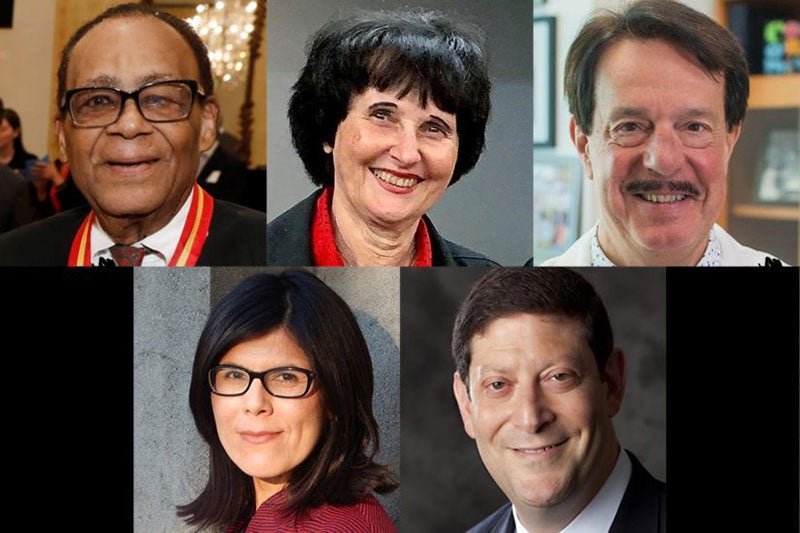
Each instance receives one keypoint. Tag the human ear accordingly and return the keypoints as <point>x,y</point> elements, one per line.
<point>581,142</point>
<point>464,407</point>
<point>208,123</point>
<point>62,141</point>
<point>614,378</point>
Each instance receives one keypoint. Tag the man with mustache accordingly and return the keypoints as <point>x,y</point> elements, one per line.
<point>658,94</point>
<point>538,381</point>
<point>136,109</point>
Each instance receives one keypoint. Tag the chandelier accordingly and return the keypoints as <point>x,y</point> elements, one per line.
<point>225,27</point>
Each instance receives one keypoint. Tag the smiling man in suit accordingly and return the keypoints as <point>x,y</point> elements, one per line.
<point>135,110</point>
<point>538,382</point>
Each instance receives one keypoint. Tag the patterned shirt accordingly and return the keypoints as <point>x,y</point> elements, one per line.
<point>712,257</point>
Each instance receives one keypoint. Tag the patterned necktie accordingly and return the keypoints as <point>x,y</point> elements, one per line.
<point>128,255</point>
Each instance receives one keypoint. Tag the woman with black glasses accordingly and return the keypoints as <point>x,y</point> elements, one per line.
<point>282,393</point>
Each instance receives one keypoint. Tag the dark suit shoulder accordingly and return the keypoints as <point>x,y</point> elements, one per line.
<point>500,521</point>
<point>43,243</point>
<point>643,507</point>
<point>289,234</point>
<point>463,256</point>
<point>236,237</point>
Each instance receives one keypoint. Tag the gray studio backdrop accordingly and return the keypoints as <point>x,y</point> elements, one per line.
<point>491,208</point>
<point>170,460</point>
<point>445,485</point>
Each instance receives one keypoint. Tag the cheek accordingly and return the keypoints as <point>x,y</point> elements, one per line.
<point>487,420</point>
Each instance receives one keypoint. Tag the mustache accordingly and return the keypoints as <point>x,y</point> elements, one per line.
<point>645,186</point>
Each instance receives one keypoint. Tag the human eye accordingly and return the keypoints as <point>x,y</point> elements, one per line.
<point>381,114</point>
<point>562,379</point>
<point>629,133</point>
<point>697,134</point>
<point>93,100</point>
<point>286,376</point>
<point>232,374</point>
<point>496,387</point>
<point>435,129</point>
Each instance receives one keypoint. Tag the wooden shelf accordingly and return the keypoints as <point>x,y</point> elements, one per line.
<point>767,212</point>
<point>772,92</point>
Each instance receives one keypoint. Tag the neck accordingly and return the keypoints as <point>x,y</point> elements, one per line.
<point>129,229</point>
<point>554,518</point>
<point>622,252</point>
<point>365,243</point>
<point>264,489</point>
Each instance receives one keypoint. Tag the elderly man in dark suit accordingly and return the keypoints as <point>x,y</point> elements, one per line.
<point>538,381</point>
<point>132,123</point>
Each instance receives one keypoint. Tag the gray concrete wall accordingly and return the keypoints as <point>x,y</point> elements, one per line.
<point>445,485</point>
<point>491,208</point>
<point>170,310</point>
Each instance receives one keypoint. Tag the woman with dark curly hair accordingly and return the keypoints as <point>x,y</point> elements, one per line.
<point>389,110</point>
<point>281,391</point>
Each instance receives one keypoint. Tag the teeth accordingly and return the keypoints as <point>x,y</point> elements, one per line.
<point>394,180</point>
<point>663,198</point>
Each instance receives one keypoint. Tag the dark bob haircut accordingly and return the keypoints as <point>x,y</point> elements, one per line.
<point>405,50</point>
<point>142,10</point>
<point>502,292</point>
<point>340,470</point>
<point>14,121</point>
<point>713,46</point>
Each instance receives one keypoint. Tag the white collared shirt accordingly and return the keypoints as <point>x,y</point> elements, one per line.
<point>712,257</point>
<point>163,243</point>
<point>599,514</point>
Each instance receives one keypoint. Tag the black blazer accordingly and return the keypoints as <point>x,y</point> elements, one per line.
<point>229,179</point>
<point>643,508</point>
<point>289,240</point>
<point>16,208</point>
<point>236,237</point>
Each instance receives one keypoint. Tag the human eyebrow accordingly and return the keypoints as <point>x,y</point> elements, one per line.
<point>101,81</point>
<point>382,105</point>
<point>627,112</point>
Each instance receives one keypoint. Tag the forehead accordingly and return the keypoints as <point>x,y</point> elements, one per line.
<point>276,348</point>
<point>409,102</point>
<point>128,49</point>
<point>654,72</point>
<point>531,340</point>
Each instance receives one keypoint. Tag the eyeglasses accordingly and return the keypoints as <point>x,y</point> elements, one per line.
<point>159,101</point>
<point>281,382</point>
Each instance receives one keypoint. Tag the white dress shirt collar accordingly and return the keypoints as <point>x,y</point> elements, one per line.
<point>164,242</point>
<point>600,513</point>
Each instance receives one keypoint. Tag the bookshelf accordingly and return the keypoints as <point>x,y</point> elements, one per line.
<point>774,105</point>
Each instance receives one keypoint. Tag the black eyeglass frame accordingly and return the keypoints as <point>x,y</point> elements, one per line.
<point>194,87</point>
<point>260,376</point>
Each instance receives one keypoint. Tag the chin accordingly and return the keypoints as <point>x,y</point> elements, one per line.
<point>541,493</point>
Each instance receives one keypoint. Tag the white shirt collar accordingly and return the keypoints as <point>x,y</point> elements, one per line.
<point>164,242</point>
<point>711,257</point>
<point>600,513</point>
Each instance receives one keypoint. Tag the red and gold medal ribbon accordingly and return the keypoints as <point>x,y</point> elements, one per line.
<point>195,230</point>
<point>193,236</point>
<point>81,252</point>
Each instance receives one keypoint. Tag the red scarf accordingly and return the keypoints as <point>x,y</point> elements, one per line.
<point>323,240</point>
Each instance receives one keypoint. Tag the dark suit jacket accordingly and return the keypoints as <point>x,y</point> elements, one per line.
<point>16,207</point>
<point>228,176</point>
<point>289,240</point>
<point>236,237</point>
<point>643,508</point>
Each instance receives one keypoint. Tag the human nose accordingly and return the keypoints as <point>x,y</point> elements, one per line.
<point>531,410</point>
<point>257,399</point>
<point>663,152</point>
<point>130,121</point>
<point>405,146</point>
